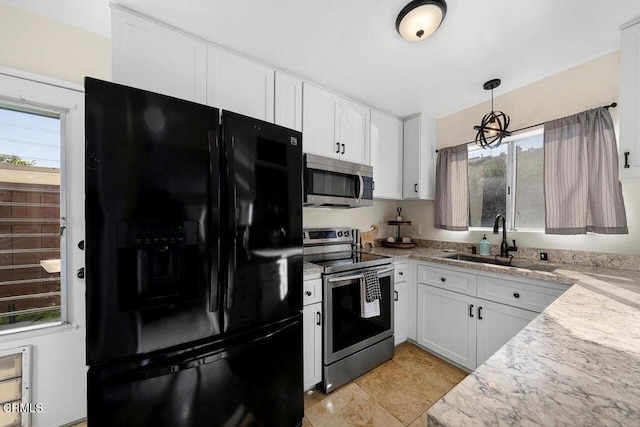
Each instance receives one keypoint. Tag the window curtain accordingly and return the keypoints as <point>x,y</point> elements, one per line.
<point>452,194</point>
<point>582,190</point>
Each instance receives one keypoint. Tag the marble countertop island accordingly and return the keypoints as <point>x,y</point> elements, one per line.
<point>577,363</point>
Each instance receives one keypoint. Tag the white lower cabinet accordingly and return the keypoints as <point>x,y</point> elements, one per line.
<point>312,332</point>
<point>496,324</point>
<point>312,344</point>
<point>445,324</point>
<point>455,323</point>
<point>401,313</point>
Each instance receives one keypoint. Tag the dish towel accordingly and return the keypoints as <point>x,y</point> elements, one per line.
<point>370,294</point>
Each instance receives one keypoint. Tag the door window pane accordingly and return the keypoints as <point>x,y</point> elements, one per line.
<point>529,194</point>
<point>29,218</point>
<point>487,179</point>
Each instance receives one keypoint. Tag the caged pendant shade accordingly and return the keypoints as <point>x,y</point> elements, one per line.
<point>420,18</point>
<point>493,127</point>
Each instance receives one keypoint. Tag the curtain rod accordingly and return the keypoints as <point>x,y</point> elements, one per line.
<point>606,107</point>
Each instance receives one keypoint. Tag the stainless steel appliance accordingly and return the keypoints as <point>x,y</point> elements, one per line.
<point>193,264</point>
<point>352,344</point>
<point>336,183</point>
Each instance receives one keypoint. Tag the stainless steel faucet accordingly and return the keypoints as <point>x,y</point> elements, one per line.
<point>504,246</point>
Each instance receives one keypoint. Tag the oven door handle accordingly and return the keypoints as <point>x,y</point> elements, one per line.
<point>356,276</point>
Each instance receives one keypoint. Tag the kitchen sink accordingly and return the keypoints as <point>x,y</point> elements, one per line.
<point>496,260</point>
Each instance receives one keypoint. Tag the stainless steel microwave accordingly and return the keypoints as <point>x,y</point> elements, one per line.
<point>336,184</point>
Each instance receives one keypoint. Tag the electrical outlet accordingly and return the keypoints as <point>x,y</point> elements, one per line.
<point>544,256</point>
<point>416,229</point>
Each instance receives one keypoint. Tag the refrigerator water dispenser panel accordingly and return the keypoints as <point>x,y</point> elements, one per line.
<point>157,263</point>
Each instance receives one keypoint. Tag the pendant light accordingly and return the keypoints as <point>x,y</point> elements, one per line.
<point>420,18</point>
<point>493,127</point>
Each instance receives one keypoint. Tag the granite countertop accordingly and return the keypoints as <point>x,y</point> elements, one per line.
<point>577,363</point>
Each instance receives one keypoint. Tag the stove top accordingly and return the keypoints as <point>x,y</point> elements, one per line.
<point>333,250</point>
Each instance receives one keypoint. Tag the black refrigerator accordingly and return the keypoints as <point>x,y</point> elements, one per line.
<point>193,264</point>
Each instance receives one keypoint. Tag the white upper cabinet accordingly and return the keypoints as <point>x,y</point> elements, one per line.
<point>386,156</point>
<point>320,122</point>
<point>419,158</point>
<point>335,127</point>
<point>354,132</point>
<point>239,85</point>
<point>150,56</point>
<point>630,102</point>
<point>288,112</point>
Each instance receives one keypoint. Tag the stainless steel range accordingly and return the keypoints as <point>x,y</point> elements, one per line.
<point>352,343</point>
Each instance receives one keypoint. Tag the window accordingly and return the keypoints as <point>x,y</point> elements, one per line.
<point>508,180</point>
<point>30,255</point>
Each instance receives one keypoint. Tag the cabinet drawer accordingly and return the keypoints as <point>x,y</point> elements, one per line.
<point>401,272</point>
<point>312,291</point>
<point>447,279</point>
<point>517,294</point>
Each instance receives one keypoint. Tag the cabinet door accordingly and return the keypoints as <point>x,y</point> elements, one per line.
<point>386,156</point>
<point>447,324</point>
<point>497,324</point>
<point>630,103</point>
<point>354,132</point>
<point>155,58</point>
<point>411,155</point>
<point>312,345</point>
<point>320,122</point>
<point>419,158</point>
<point>401,313</point>
<point>288,97</point>
<point>239,85</point>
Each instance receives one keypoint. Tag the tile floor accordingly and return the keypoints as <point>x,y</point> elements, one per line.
<point>398,393</point>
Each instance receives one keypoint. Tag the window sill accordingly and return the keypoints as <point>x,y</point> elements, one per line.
<point>35,331</point>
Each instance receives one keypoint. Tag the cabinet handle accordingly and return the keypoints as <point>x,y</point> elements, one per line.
<point>319,317</point>
<point>471,310</point>
<point>626,159</point>
<point>80,273</point>
<point>415,188</point>
<point>337,148</point>
<point>395,295</point>
<point>443,279</point>
<point>343,149</point>
<point>480,313</point>
<point>308,293</point>
<point>373,185</point>
<point>516,295</point>
<point>401,273</point>
<point>81,245</point>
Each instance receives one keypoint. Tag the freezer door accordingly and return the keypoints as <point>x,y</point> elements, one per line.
<point>152,222</point>
<point>254,380</point>
<point>264,221</point>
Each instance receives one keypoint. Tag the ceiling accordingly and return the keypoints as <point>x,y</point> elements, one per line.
<point>352,47</point>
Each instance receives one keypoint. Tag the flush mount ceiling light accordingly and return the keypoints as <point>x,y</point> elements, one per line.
<point>494,124</point>
<point>420,18</point>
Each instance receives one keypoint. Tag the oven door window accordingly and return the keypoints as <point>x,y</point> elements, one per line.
<point>349,327</point>
<point>326,183</point>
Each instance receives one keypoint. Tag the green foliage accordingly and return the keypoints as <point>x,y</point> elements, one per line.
<point>12,159</point>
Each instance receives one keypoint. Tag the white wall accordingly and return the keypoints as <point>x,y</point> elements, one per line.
<point>589,85</point>
<point>46,47</point>
<point>361,218</point>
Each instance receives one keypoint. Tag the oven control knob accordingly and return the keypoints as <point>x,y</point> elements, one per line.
<point>339,233</point>
<point>346,233</point>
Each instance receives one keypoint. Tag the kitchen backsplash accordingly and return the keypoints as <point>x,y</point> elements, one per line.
<point>556,256</point>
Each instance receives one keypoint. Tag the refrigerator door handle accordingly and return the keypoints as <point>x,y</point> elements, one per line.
<point>233,199</point>
<point>214,279</point>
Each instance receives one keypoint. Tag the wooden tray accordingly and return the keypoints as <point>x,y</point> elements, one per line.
<point>398,245</point>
